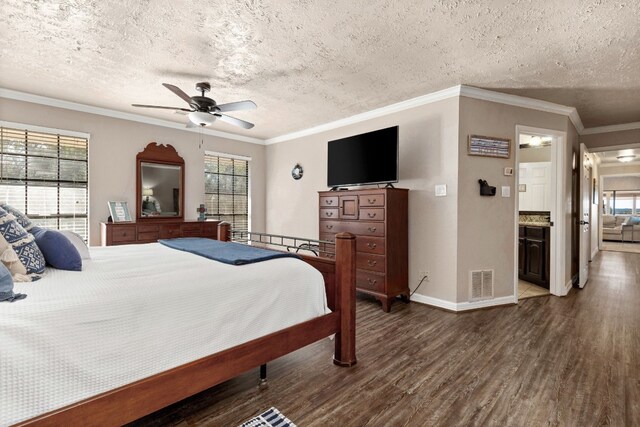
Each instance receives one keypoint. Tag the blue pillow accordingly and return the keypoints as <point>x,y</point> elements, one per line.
<point>6,286</point>
<point>633,220</point>
<point>22,219</point>
<point>58,251</point>
<point>18,250</point>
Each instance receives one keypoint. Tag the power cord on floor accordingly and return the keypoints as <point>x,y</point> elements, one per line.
<point>414,291</point>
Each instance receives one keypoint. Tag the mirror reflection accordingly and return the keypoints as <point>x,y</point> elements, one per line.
<point>160,189</point>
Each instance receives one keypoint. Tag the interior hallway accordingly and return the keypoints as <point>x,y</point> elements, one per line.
<point>546,361</point>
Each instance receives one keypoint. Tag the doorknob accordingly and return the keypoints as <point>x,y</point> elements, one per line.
<point>584,222</point>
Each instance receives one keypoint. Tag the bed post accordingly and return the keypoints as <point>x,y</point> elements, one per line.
<point>224,232</point>
<point>345,350</point>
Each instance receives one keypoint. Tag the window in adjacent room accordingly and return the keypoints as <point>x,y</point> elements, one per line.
<point>226,189</point>
<point>45,175</point>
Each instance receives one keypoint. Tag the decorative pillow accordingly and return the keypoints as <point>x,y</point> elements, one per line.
<point>58,251</point>
<point>22,219</point>
<point>633,220</point>
<point>77,241</point>
<point>608,221</point>
<point>6,286</point>
<point>621,220</point>
<point>18,250</point>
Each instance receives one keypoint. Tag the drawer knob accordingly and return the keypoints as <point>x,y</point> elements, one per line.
<point>371,201</point>
<point>372,282</point>
<point>371,215</point>
<point>329,214</point>
<point>371,245</point>
<point>329,202</point>
<point>371,229</point>
<point>371,263</point>
<point>329,226</point>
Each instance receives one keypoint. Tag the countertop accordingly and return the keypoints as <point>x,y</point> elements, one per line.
<point>535,224</point>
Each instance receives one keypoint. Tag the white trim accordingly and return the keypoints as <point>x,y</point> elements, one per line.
<point>440,95</point>
<point>595,250</point>
<point>567,287</point>
<point>463,306</point>
<point>43,129</point>
<point>618,164</point>
<point>611,128</point>
<point>557,235</point>
<point>521,101</point>
<point>227,155</point>
<point>43,100</point>
<point>436,302</point>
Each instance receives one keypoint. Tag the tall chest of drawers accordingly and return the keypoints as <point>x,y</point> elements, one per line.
<point>379,219</point>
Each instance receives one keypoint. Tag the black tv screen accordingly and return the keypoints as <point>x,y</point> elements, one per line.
<point>369,158</point>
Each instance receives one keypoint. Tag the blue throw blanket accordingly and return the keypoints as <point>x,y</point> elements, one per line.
<point>227,252</point>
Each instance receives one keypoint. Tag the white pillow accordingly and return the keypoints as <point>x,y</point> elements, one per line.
<point>77,241</point>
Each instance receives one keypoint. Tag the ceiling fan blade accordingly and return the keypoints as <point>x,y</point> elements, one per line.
<point>190,124</point>
<point>234,121</point>
<point>179,92</point>
<point>236,106</point>
<point>158,106</point>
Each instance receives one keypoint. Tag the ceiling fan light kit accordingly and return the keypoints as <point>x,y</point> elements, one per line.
<point>204,110</point>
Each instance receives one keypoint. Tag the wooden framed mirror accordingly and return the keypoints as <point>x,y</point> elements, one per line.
<point>159,183</point>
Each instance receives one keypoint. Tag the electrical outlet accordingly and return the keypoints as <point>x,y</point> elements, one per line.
<point>424,274</point>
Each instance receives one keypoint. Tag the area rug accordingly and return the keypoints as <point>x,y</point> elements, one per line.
<point>270,418</point>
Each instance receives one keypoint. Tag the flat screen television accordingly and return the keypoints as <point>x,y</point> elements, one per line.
<point>368,158</point>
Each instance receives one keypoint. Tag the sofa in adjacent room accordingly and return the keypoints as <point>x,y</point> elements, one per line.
<point>621,228</point>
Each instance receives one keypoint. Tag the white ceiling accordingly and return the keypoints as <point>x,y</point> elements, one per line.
<point>306,63</point>
<point>611,157</point>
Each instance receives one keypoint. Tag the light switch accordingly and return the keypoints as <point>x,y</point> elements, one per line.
<point>506,191</point>
<point>441,190</point>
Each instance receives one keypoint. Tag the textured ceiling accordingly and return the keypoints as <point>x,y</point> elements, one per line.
<point>307,63</point>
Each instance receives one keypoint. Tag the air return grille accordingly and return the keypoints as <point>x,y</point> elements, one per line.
<point>481,284</point>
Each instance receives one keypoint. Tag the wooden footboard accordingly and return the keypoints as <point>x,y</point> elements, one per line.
<point>135,400</point>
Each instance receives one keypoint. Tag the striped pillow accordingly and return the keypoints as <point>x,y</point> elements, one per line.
<point>18,250</point>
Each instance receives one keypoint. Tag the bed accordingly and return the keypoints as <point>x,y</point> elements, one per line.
<point>136,330</point>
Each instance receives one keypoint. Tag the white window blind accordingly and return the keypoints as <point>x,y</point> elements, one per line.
<point>46,176</point>
<point>226,190</point>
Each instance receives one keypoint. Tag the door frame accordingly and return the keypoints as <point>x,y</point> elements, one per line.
<point>557,256</point>
<point>584,247</point>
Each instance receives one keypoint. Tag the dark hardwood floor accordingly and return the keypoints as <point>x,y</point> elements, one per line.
<point>572,361</point>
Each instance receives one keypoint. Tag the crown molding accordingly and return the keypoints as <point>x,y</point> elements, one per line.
<point>440,95</point>
<point>68,105</point>
<point>611,128</point>
<point>521,101</point>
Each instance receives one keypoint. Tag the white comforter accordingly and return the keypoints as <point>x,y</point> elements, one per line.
<point>135,311</point>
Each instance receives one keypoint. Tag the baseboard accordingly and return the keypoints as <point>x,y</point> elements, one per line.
<point>435,302</point>
<point>568,286</point>
<point>474,305</point>
<point>594,252</point>
<point>463,306</point>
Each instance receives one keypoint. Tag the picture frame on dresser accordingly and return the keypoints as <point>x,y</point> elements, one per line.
<point>119,211</point>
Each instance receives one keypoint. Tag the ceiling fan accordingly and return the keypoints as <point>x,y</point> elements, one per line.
<point>204,110</point>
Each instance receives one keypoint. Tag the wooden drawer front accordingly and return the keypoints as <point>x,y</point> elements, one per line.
<point>149,235</point>
<point>370,281</point>
<point>328,213</point>
<point>191,230</point>
<point>370,262</point>
<point>327,250</point>
<point>328,236</point>
<point>534,232</point>
<point>123,233</point>
<point>357,228</point>
<point>170,231</point>
<point>371,200</point>
<point>329,202</point>
<point>370,245</point>
<point>372,214</point>
<point>148,228</point>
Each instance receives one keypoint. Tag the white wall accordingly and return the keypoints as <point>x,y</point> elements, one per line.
<point>113,145</point>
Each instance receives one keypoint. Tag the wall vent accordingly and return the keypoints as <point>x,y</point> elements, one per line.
<point>480,284</point>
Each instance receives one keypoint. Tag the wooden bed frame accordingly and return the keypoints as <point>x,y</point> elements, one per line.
<point>133,401</point>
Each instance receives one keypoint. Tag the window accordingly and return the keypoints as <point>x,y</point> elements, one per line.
<point>226,190</point>
<point>621,202</point>
<point>45,176</point>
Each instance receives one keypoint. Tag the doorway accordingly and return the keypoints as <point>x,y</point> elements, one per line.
<point>540,188</point>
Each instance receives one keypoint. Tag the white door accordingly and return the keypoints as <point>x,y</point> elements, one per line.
<point>584,216</point>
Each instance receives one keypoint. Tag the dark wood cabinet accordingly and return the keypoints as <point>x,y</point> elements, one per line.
<point>379,219</point>
<point>148,232</point>
<point>533,255</point>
